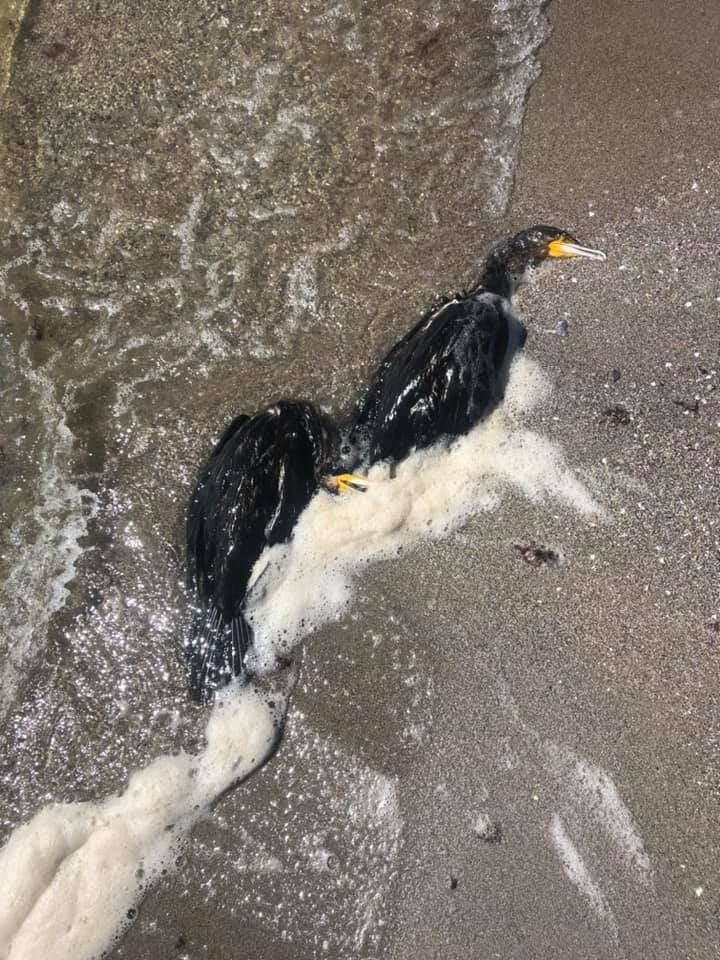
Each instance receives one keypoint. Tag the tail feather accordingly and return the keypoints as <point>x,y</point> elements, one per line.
<point>215,652</point>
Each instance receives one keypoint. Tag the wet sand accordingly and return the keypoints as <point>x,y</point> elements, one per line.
<point>621,142</point>
<point>484,694</point>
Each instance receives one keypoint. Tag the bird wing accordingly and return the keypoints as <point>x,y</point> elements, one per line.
<point>258,479</point>
<point>249,496</point>
<point>200,501</point>
<point>439,380</point>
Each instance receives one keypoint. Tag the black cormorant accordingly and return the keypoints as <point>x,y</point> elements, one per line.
<point>451,369</point>
<point>261,475</point>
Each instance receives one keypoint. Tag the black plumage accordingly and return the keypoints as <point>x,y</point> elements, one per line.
<point>259,478</point>
<point>443,377</point>
<point>451,370</point>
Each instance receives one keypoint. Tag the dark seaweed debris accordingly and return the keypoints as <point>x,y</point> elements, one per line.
<point>617,415</point>
<point>687,406</point>
<point>536,555</point>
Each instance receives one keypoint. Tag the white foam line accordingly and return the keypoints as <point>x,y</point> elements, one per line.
<point>108,233</point>
<point>288,121</point>
<point>37,586</point>
<point>377,804</point>
<point>185,232</point>
<point>521,28</point>
<point>301,293</point>
<point>579,875</point>
<point>591,791</point>
<point>598,793</point>
<point>266,78</point>
<point>72,873</point>
<point>263,213</point>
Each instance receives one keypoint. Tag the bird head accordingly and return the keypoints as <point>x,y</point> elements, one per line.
<point>546,243</point>
<point>509,259</point>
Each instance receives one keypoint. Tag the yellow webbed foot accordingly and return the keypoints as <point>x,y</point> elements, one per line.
<point>343,482</point>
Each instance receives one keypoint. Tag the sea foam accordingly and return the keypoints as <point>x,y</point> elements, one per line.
<point>75,872</point>
<point>308,582</point>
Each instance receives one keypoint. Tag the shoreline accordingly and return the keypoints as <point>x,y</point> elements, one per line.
<point>483,757</point>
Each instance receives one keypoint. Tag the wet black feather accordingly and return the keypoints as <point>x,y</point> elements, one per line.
<point>259,478</point>
<point>443,377</point>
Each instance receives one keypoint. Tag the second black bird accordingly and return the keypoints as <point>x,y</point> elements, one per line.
<point>262,473</point>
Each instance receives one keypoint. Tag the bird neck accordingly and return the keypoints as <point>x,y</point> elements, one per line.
<point>504,269</point>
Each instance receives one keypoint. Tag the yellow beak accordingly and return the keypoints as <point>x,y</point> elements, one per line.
<point>568,248</point>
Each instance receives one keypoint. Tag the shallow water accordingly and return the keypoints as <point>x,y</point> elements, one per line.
<point>205,209</point>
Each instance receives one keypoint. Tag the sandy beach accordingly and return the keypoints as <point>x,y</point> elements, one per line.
<point>620,141</point>
<point>489,756</point>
